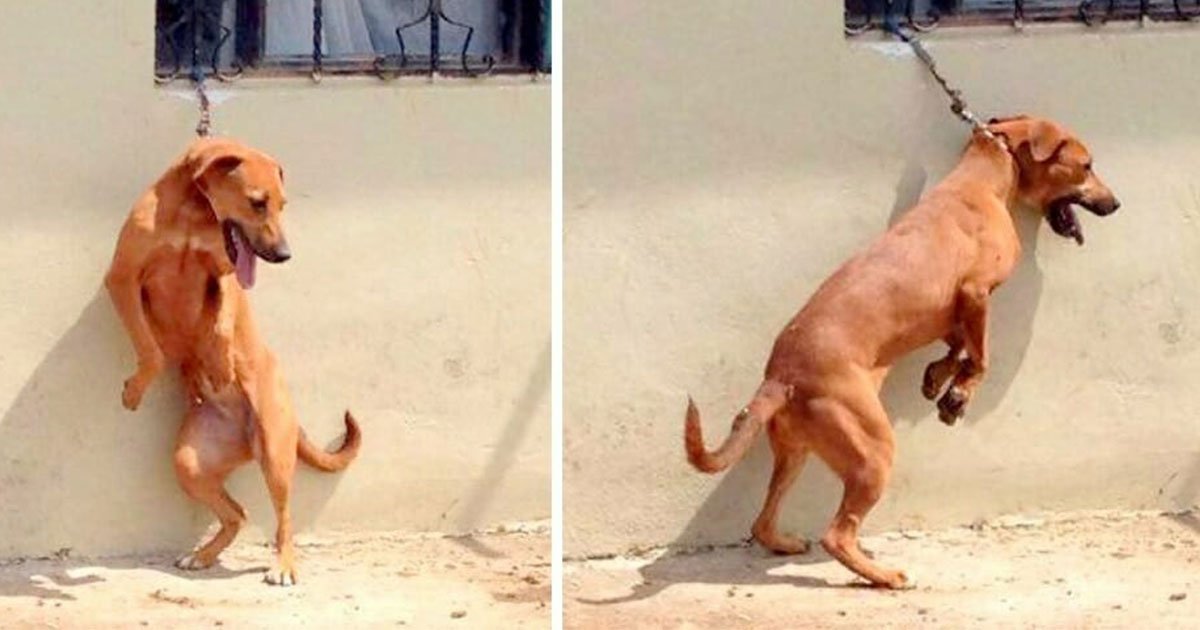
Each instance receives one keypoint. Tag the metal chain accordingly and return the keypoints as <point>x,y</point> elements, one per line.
<point>205,124</point>
<point>318,19</point>
<point>958,105</point>
<point>198,76</point>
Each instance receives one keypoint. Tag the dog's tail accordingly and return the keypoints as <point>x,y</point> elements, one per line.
<point>749,422</point>
<point>320,459</point>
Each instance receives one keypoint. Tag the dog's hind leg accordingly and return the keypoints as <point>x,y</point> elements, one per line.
<point>789,461</point>
<point>210,445</point>
<point>232,517</point>
<point>862,491</point>
<point>855,438</point>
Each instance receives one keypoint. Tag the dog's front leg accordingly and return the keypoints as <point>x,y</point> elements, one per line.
<point>125,290</point>
<point>939,372</point>
<point>973,318</point>
<point>218,358</point>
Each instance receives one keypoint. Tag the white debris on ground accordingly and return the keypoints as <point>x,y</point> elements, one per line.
<point>499,579</point>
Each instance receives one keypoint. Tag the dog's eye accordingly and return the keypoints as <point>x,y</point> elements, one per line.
<point>259,205</point>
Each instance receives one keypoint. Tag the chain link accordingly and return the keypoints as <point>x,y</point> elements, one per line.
<point>318,19</point>
<point>205,124</point>
<point>198,77</point>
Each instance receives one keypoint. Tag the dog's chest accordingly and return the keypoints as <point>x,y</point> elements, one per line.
<point>1006,258</point>
<point>179,287</point>
<point>999,253</point>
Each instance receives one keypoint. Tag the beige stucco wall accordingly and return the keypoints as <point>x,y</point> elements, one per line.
<point>418,294</point>
<point>721,162</point>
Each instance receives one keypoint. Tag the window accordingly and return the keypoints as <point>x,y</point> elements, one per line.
<point>226,38</point>
<point>863,15</point>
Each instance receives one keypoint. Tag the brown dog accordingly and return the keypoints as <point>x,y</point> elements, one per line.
<point>184,257</point>
<point>928,277</point>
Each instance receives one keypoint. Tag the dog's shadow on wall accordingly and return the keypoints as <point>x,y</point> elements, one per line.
<point>817,492</point>
<point>1010,324</point>
<point>80,473</point>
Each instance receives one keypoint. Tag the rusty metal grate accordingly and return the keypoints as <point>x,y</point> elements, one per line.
<point>923,15</point>
<point>224,39</point>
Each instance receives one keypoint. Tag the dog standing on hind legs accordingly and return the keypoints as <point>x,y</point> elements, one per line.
<point>929,277</point>
<point>183,262</point>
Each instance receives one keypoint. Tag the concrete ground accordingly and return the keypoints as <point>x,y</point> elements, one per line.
<point>1078,570</point>
<point>378,581</point>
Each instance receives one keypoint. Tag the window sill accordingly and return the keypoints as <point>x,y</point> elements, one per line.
<point>268,78</point>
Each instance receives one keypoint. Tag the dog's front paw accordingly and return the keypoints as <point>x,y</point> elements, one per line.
<point>931,385</point>
<point>135,386</point>
<point>940,372</point>
<point>952,405</point>
<point>131,394</point>
<point>282,574</point>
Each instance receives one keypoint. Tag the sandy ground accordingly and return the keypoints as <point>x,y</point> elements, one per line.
<point>484,581</point>
<point>1093,570</point>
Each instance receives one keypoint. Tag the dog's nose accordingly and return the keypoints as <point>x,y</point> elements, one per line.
<point>1116,205</point>
<point>281,252</point>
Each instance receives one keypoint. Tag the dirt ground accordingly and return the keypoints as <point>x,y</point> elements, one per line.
<point>485,581</point>
<point>1081,570</point>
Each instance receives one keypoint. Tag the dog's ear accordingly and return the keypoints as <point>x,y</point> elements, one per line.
<point>1014,129</point>
<point>213,167</point>
<point>1045,138</point>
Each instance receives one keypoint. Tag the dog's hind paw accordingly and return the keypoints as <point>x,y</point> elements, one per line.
<point>280,576</point>
<point>785,545</point>
<point>897,581</point>
<point>192,562</point>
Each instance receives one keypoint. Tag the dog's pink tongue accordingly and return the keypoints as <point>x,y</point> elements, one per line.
<point>245,265</point>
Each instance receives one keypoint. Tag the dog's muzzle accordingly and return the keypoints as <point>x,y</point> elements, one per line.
<point>277,254</point>
<point>1103,207</point>
<point>1063,220</point>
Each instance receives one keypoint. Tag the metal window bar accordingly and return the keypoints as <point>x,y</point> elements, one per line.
<point>191,39</point>
<point>925,15</point>
<point>198,39</point>
<point>433,18</point>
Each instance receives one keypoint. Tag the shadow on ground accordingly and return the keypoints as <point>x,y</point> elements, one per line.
<point>755,570</point>
<point>54,579</point>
